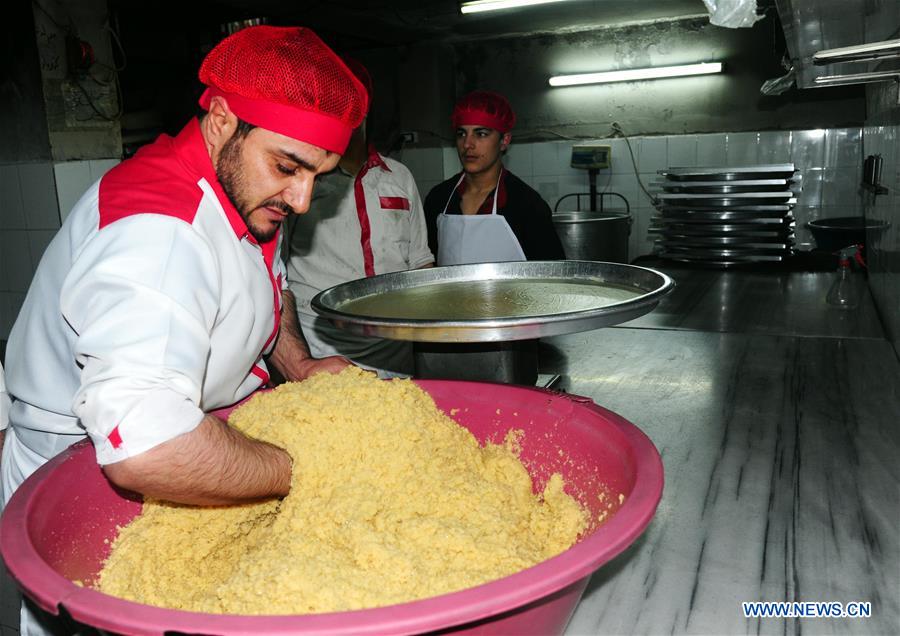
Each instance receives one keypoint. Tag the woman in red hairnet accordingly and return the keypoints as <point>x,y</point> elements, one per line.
<point>486,213</point>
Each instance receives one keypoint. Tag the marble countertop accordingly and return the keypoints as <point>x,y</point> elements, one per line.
<point>779,435</point>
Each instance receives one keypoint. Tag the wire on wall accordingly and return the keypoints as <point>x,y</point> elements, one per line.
<point>617,130</point>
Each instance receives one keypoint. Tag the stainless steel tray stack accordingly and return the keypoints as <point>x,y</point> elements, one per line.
<point>723,216</point>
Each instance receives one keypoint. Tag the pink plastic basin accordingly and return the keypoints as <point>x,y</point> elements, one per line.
<point>58,526</point>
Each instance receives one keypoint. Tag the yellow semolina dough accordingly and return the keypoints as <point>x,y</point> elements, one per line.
<point>390,501</point>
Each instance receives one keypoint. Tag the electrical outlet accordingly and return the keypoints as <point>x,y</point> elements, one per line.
<point>409,137</point>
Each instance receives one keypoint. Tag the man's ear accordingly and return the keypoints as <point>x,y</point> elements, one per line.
<point>505,140</point>
<point>219,123</point>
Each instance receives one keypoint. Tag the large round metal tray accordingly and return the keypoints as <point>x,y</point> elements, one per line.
<point>493,302</point>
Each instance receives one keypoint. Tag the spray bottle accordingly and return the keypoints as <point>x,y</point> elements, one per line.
<point>846,290</point>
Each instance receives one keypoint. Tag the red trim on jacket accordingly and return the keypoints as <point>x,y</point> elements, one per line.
<point>162,178</point>
<point>259,373</point>
<point>394,203</point>
<point>276,288</point>
<point>365,228</point>
<point>115,438</point>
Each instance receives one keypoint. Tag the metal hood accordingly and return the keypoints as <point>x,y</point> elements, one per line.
<point>817,26</point>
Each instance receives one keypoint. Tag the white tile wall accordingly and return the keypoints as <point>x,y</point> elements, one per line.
<point>450,162</point>
<point>653,155</point>
<point>38,240</point>
<point>620,160</point>
<point>72,179</point>
<point>829,162</point>
<point>39,202</point>
<point>426,164</point>
<point>29,216</point>
<point>99,167</point>
<point>682,151</point>
<point>742,149</point>
<point>711,150</point>
<point>16,259</point>
<point>520,159</point>
<point>10,304</point>
<point>808,148</point>
<point>774,146</point>
<point>34,199</point>
<point>12,215</point>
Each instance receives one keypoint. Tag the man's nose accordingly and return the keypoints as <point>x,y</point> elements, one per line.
<point>299,194</point>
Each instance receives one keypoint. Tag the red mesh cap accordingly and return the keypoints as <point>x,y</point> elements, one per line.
<point>285,79</point>
<point>484,108</point>
<point>361,73</point>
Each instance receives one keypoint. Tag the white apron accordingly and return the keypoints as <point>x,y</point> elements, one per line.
<point>476,238</point>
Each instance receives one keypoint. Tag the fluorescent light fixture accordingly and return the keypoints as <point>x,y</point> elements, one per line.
<point>704,68</point>
<point>477,6</point>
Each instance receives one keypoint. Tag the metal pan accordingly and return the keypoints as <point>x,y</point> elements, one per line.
<point>721,253</point>
<point>733,209</point>
<point>719,200</point>
<point>724,262</point>
<point>721,187</point>
<point>773,222</point>
<point>719,216</point>
<point>766,171</point>
<point>735,242</point>
<point>493,302</point>
<point>677,233</point>
<point>723,228</point>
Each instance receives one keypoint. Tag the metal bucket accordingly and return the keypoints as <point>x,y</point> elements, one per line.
<point>594,236</point>
<point>833,234</point>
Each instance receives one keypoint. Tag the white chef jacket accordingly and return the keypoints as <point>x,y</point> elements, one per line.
<point>359,226</point>
<point>4,402</point>
<point>151,305</point>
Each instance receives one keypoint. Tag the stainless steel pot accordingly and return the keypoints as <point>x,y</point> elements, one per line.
<point>594,236</point>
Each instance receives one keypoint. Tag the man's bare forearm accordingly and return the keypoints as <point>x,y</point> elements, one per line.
<point>213,464</point>
<point>290,348</point>
<point>291,354</point>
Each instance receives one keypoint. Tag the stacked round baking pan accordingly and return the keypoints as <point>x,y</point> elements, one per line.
<point>722,216</point>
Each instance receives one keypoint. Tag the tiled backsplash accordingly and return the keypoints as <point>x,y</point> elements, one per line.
<point>34,200</point>
<point>829,162</point>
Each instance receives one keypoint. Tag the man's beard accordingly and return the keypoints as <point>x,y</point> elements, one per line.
<point>231,175</point>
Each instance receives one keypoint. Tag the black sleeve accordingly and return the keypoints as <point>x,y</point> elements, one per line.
<point>531,221</point>
<point>433,205</point>
<point>432,210</point>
